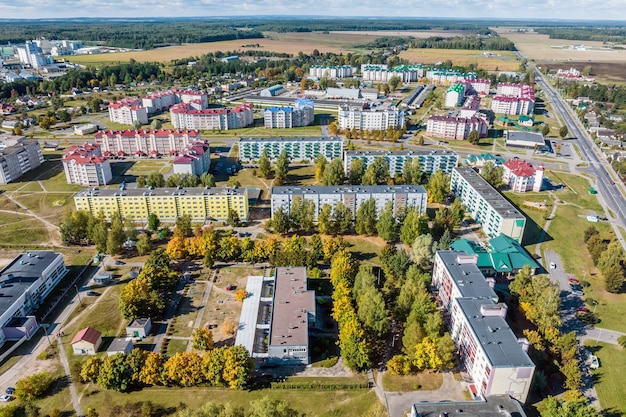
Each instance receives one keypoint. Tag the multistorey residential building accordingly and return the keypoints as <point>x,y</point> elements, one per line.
<point>18,156</point>
<point>459,128</point>
<point>25,283</point>
<point>168,204</point>
<point>455,96</point>
<point>374,118</point>
<point>406,73</point>
<point>194,160</point>
<point>301,114</point>
<point>334,71</point>
<point>128,111</point>
<point>298,149</point>
<point>447,76</point>
<point>188,116</point>
<point>486,205</point>
<point>402,197</point>
<point>30,54</point>
<point>430,161</point>
<point>470,107</point>
<point>479,86</point>
<point>145,142</point>
<point>493,356</point>
<point>522,176</point>
<point>512,98</point>
<point>85,165</point>
<point>487,406</point>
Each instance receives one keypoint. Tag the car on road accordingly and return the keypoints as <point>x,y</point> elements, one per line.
<point>92,294</point>
<point>612,182</point>
<point>552,265</point>
<point>6,398</point>
<point>582,310</point>
<point>118,262</point>
<point>10,390</point>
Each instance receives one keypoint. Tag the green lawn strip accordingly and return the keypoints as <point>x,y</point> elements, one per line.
<point>247,179</point>
<point>302,175</point>
<point>175,346</point>
<point>31,186</point>
<point>314,403</point>
<point>609,378</point>
<point>577,190</point>
<point>424,381</point>
<point>50,206</point>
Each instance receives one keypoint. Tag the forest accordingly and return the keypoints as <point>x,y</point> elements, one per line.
<point>617,35</point>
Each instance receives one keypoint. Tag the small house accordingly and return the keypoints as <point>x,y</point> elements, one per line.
<point>86,342</point>
<point>139,328</point>
<point>102,278</point>
<point>120,345</point>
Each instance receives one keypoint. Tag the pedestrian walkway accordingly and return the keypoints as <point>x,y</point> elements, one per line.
<point>68,375</point>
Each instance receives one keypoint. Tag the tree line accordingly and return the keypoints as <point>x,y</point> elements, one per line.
<point>492,43</point>
<point>617,35</point>
<point>608,257</point>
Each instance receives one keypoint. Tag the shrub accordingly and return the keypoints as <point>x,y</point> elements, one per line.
<point>622,341</point>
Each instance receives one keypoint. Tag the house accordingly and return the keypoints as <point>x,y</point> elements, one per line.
<point>120,345</point>
<point>139,327</point>
<point>86,342</point>
<point>526,121</point>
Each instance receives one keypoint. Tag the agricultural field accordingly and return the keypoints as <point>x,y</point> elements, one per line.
<point>502,61</point>
<point>606,72</point>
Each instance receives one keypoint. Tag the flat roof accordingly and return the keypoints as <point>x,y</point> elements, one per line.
<point>18,276</point>
<point>466,275</point>
<point>292,302</point>
<point>494,335</point>
<point>501,205</point>
<point>119,344</point>
<point>434,152</point>
<point>347,189</point>
<point>132,191</point>
<point>249,313</point>
<point>490,406</point>
<point>522,136</point>
<point>294,139</point>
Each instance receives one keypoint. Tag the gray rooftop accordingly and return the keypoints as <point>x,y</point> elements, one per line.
<point>119,344</point>
<point>491,406</point>
<point>292,302</point>
<point>294,139</point>
<point>401,153</point>
<point>347,189</point>
<point>515,135</point>
<point>497,201</point>
<point>466,275</point>
<point>17,277</point>
<point>132,191</point>
<point>494,335</point>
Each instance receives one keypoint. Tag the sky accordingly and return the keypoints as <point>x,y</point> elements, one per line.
<point>505,9</point>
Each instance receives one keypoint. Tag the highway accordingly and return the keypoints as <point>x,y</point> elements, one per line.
<point>598,166</point>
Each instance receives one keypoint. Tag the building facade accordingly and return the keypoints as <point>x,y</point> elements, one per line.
<point>402,197</point>
<point>168,204</point>
<point>188,116</point>
<point>512,98</point>
<point>298,149</point>
<point>455,95</point>
<point>128,111</point>
<point>458,128</point>
<point>85,165</point>
<point>430,161</point>
<point>145,142</point>
<point>333,71</point>
<point>521,176</point>
<point>357,117</point>
<point>18,156</point>
<point>486,205</point>
<point>406,73</point>
<point>195,160</point>
<point>301,114</point>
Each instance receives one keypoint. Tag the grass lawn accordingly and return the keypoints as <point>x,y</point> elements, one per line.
<point>50,206</point>
<point>535,217</point>
<point>312,403</point>
<point>578,190</point>
<point>175,346</point>
<point>59,396</point>
<point>365,249</point>
<point>21,230</point>
<point>247,179</point>
<point>609,378</point>
<point>422,381</point>
<point>302,175</point>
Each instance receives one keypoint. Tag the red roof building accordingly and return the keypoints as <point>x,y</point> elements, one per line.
<point>521,176</point>
<point>86,342</point>
<point>85,165</point>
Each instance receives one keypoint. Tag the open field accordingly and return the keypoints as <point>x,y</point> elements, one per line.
<point>542,48</point>
<point>504,61</point>
<point>609,378</point>
<point>608,72</point>
<point>423,381</point>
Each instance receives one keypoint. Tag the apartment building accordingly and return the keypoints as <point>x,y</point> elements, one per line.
<point>458,128</point>
<point>512,98</point>
<point>430,161</point>
<point>145,142</point>
<point>298,149</point>
<point>188,116</point>
<point>522,176</point>
<point>26,282</point>
<point>455,95</point>
<point>486,205</point>
<point>333,71</point>
<point>492,355</point>
<point>479,86</point>
<point>85,165</point>
<point>470,107</point>
<point>487,406</point>
<point>194,160</point>
<point>31,55</point>
<point>18,156</point>
<point>168,204</point>
<point>448,76</point>
<point>301,114</point>
<point>406,73</point>
<point>401,196</point>
<point>372,118</point>
<point>128,111</point>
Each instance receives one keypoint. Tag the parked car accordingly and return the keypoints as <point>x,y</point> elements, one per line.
<point>578,292</point>
<point>572,280</point>
<point>582,310</point>
<point>594,363</point>
<point>10,390</point>
<point>552,265</point>
<point>93,294</point>
<point>6,398</point>
<point>118,262</point>
<point>612,182</point>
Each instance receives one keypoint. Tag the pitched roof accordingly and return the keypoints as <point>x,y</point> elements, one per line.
<point>88,334</point>
<point>520,168</point>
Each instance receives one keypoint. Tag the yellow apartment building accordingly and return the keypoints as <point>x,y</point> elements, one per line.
<point>167,203</point>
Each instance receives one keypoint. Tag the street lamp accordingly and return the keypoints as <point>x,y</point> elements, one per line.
<point>45,329</point>
<point>595,305</point>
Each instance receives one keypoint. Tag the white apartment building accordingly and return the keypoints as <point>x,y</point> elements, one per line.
<point>127,111</point>
<point>496,360</point>
<point>470,107</point>
<point>374,118</point>
<point>186,116</point>
<point>18,156</point>
<point>521,176</point>
<point>486,205</point>
<point>194,160</point>
<point>480,86</point>
<point>430,161</point>
<point>85,165</point>
<point>324,71</point>
<point>145,142</point>
<point>26,282</point>
<point>30,54</point>
<point>447,77</point>
<point>512,98</point>
<point>301,114</point>
<point>298,149</point>
<point>459,128</point>
<point>406,73</point>
<point>401,196</point>
<point>455,96</point>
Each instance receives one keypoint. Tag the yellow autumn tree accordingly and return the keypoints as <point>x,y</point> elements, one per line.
<point>184,369</point>
<point>176,248</point>
<point>426,356</point>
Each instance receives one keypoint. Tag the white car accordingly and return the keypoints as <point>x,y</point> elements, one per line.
<point>6,398</point>
<point>552,265</point>
<point>594,363</point>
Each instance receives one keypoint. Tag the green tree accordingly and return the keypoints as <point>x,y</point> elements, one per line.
<point>373,313</point>
<point>153,222</point>
<point>596,246</point>
<point>116,236</point>
<point>144,244</point>
<point>115,373</point>
<point>473,137</point>
<point>492,174</point>
<point>342,218</point>
<point>320,166</point>
<point>414,225</point>
<point>183,227</point>
<point>394,82</point>
<point>207,179</point>
<point>365,223</point>
<point>155,180</point>
<point>357,169</point>
<point>33,387</point>
<point>156,124</point>
<point>282,168</point>
<point>377,172</point>
<point>280,221</point>
<point>266,407</point>
<point>324,220</point>
<point>265,167</point>
<point>445,241</point>
<point>333,174</point>
<point>438,186</point>
<point>423,253</point>
<point>233,218</point>
<point>563,131</point>
<point>202,339</point>
<point>387,226</point>
<point>613,278</point>
<point>554,407</point>
<point>138,300</point>
<point>412,171</point>
<point>613,255</point>
<point>545,131</point>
